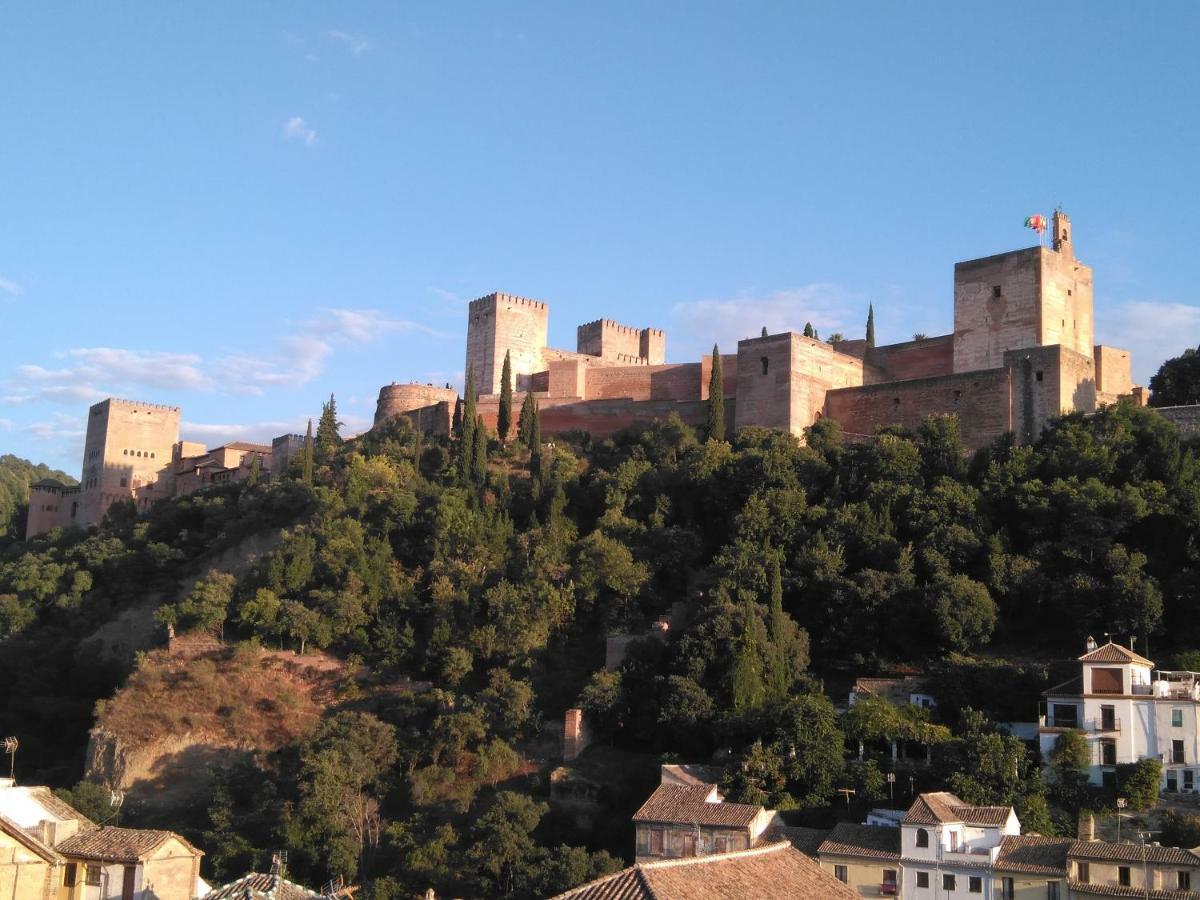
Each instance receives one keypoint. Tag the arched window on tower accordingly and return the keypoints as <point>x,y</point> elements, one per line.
<point>765,362</point>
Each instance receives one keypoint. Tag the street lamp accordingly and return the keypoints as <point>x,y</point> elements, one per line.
<point>891,780</point>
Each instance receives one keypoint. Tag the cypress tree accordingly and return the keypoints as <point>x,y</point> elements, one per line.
<point>479,454</point>
<point>764,332</point>
<point>466,447</point>
<point>504,418</point>
<point>525,422</point>
<point>781,675</point>
<point>809,331</point>
<point>456,422</point>
<point>308,455</point>
<point>535,433</point>
<point>716,399</point>
<point>747,687</point>
<point>871,325</point>
<point>328,439</point>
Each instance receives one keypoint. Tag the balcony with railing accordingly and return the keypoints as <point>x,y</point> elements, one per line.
<point>1176,685</point>
<point>1104,724</point>
<point>889,889</point>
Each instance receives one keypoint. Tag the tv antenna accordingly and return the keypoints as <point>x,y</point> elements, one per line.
<point>10,747</point>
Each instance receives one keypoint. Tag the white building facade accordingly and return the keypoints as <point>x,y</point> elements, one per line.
<point>948,848</point>
<point>1128,711</point>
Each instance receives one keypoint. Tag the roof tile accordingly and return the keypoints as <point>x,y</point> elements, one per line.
<point>679,803</point>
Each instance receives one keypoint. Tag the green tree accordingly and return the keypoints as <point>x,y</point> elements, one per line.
<point>870,325</point>
<point>328,436</point>
<point>747,688</point>
<point>456,422</point>
<point>963,611</point>
<point>1139,782</point>
<point>504,851</point>
<point>479,456</point>
<point>1177,381</point>
<point>1070,754</point>
<point>809,331</point>
<point>466,447</point>
<point>93,800</point>
<point>525,421</point>
<point>504,417</point>
<point>810,741</point>
<point>716,399</point>
<point>344,771</point>
<point>205,607</point>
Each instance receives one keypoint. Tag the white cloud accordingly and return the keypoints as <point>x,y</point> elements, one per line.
<point>296,129</point>
<point>357,43</point>
<point>829,307</point>
<point>6,425</point>
<point>365,325</point>
<point>255,432</point>
<point>62,427</point>
<point>10,287</point>
<point>300,360</point>
<point>1152,330</point>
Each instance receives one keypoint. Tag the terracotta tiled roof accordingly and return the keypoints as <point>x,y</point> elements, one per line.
<point>1083,890</point>
<point>806,840</point>
<point>870,841</point>
<point>893,690</point>
<point>941,806</point>
<point>1103,850</point>
<point>59,808</point>
<point>1034,854</point>
<point>1114,653</point>
<point>31,843</point>
<point>765,873</point>
<point>261,887</point>
<point>244,445</point>
<point>118,844</point>
<point>676,803</point>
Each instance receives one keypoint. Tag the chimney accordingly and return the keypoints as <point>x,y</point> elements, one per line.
<point>1087,827</point>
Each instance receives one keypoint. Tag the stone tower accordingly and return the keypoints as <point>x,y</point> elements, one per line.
<point>1036,297</point>
<point>498,323</point>
<point>127,455</point>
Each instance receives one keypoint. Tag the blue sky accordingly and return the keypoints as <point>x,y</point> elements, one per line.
<point>240,208</point>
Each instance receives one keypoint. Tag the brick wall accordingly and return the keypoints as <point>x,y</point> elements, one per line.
<point>603,417</point>
<point>979,399</point>
<point>1047,382</point>
<point>911,359</point>
<point>673,382</point>
<point>729,374</point>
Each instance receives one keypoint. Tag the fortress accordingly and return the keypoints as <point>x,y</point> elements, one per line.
<point>1021,353</point>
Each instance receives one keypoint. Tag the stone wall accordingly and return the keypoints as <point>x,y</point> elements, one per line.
<point>1114,373</point>
<point>673,382</point>
<point>996,307</point>
<point>602,418</point>
<point>613,341</point>
<point>576,734</point>
<point>979,399</point>
<point>128,454</point>
<point>498,323</point>
<point>912,359</point>
<point>782,380</point>
<point>402,399</point>
<point>1186,418</point>
<point>1047,382</point>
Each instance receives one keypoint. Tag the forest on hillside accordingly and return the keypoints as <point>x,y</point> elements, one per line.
<point>493,571</point>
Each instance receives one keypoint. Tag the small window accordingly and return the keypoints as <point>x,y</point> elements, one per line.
<point>975,884</point>
<point>71,873</point>
<point>1177,751</point>
<point>922,879</point>
<point>124,452</point>
<point>765,363</point>
<point>895,403</point>
<point>1052,892</point>
<point>1007,891</point>
<point>1083,872</point>
<point>947,882</point>
<point>656,840</point>
<point>1177,718</point>
<point>922,837</point>
<point>1038,375</point>
<point>1123,876</point>
<point>1185,881</point>
<point>1068,292</point>
<point>996,290</point>
<point>92,875</point>
<point>839,872</point>
<point>124,482</point>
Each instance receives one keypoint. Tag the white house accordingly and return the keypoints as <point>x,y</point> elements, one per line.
<point>1127,711</point>
<point>948,848</point>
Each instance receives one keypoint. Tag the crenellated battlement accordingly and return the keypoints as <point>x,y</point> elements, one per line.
<point>500,297</point>
<point>118,401</point>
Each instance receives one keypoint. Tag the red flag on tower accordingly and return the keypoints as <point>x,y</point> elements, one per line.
<point>1036,222</point>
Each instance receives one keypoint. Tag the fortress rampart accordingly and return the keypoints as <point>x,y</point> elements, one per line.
<point>1021,353</point>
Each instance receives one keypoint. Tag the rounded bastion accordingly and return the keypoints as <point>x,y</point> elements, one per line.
<point>401,399</point>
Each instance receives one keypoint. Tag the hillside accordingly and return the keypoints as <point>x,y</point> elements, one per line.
<point>16,475</point>
<point>495,574</point>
